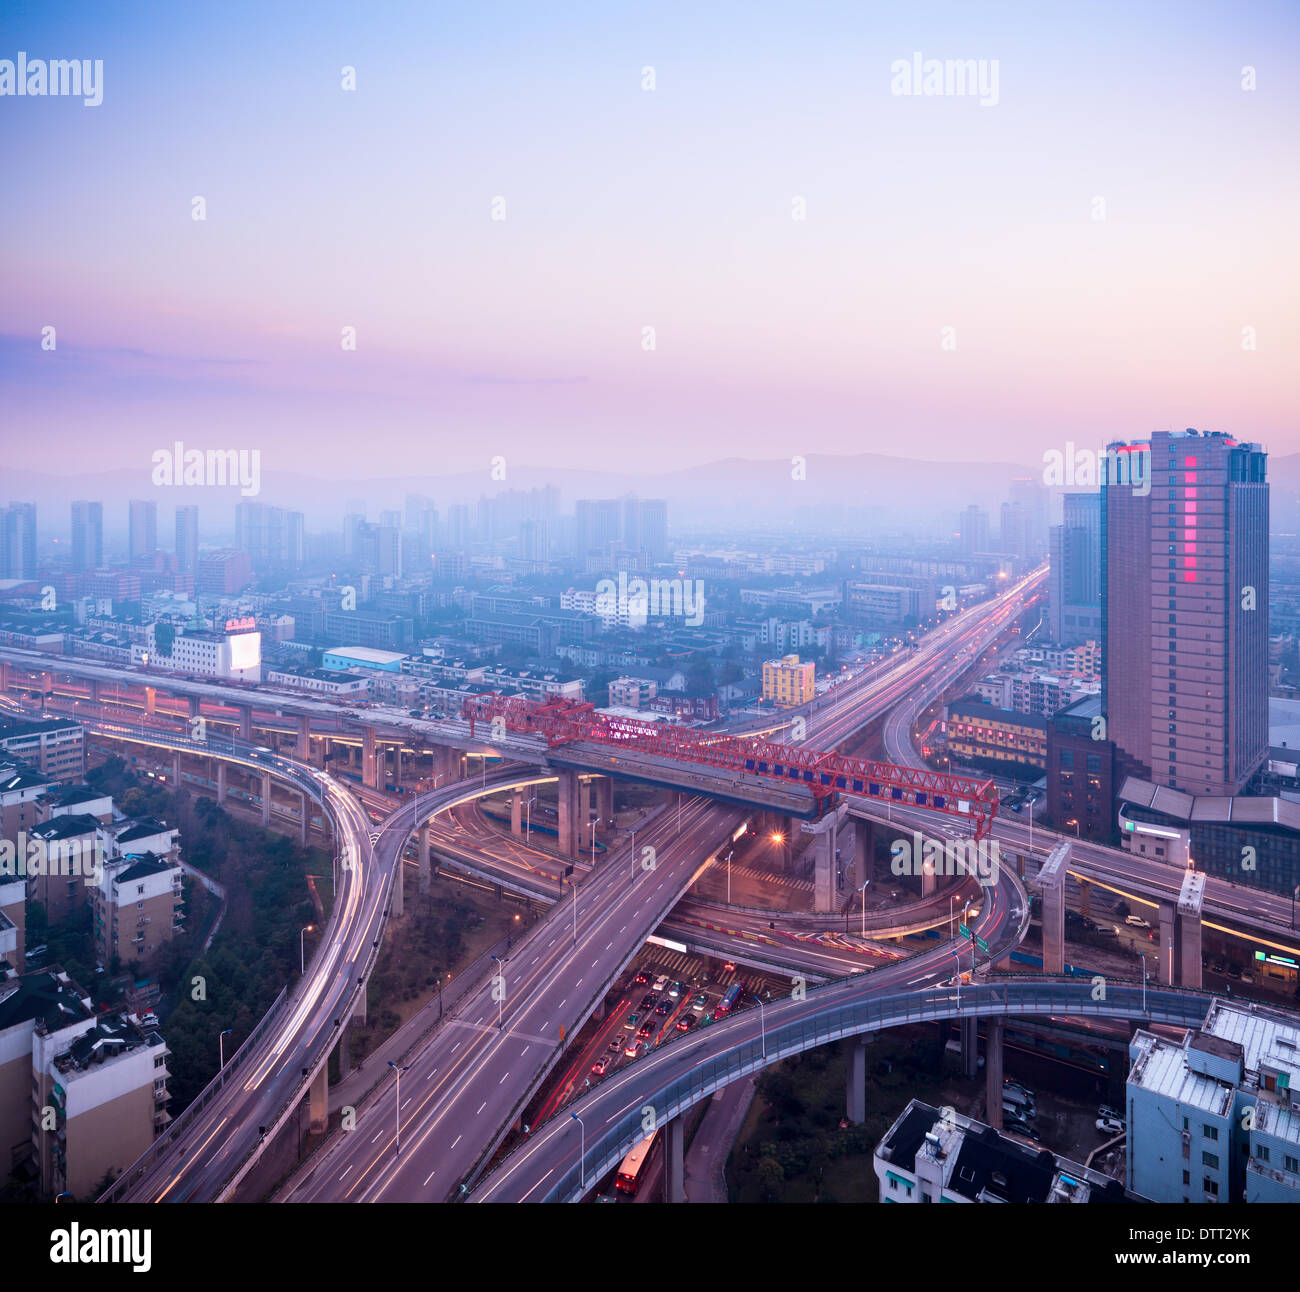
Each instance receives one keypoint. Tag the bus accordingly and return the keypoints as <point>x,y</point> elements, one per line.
<point>629,1173</point>
<point>728,1001</point>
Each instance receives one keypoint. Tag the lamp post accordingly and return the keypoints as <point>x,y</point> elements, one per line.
<point>1143,954</point>
<point>633,833</point>
<point>762,1025</point>
<point>502,961</point>
<point>582,1151</point>
<point>957,956</point>
<point>863,891</point>
<point>575,914</point>
<point>398,1109</point>
<point>731,850</point>
<point>528,819</point>
<point>1031,825</point>
<point>221,1045</point>
<point>302,948</point>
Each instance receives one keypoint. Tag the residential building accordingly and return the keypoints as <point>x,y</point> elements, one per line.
<point>1000,739</point>
<point>54,746</point>
<point>87,536</point>
<point>1074,578</point>
<point>142,528</point>
<point>187,539</point>
<point>787,682</point>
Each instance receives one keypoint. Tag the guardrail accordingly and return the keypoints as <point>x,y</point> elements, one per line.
<point>606,1147</point>
<point>154,1152</point>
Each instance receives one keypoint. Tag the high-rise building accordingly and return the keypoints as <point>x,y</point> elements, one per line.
<point>1074,579</point>
<point>458,526</point>
<point>87,536</point>
<point>18,541</point>
<point>270,535</point>
<point>1184,595</point>
<point>187,539</point>
<point>974,530</point>
<point>599,524</point>
<point>142,528</point>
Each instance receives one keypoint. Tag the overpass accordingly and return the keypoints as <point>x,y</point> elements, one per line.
<point>562,1162</point>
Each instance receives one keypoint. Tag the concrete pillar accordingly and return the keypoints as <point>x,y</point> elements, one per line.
<point>426,875</point>
<point>221,781</point>
<point>584,814</point>
<point>245,722</point>
<point>1051,883</point>
<point>605,801</point>
<point>92,690</point>
<point>993,1026</point>
<point>567,791</point>
<point>1085,898</point>
<point>4,677</point>
<point>855,1094</point>
<point>861,852</point>
<point>266,798</point>
<point>824,834</point>
<point>193,705</point>
<point>303,748</point>
<point>517,813</point>
<point>397,764</point>
<point>1190,901</point>
<point>674,1162</point>
<point>970,1046</point>
<point>369,760</point>
<point>929,880</point>
<point>176,769</point>
<point>305,823</point>
<point>150,700</point>
<point>1168,952</point>
<point>320,1091</point>
<point>399,885</point>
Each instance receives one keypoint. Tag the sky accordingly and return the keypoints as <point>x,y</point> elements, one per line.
<point>949,295</point>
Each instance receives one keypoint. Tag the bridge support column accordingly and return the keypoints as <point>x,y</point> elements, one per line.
<point>1190,901</point>
<point>993,1070</point>
<point>605,801</point>
<point>369,760</point>
<point>397,764</point>
<point>585,827</point>
<point>426,874</point>
<point>4,677</point>
<point>319,1097</point>
<point>176,769</point>
<point>970,1046</point>
<point>861,852</point>
<point>193,704</point>
<point>855,1094</point>
<point>517,813</point>
<point>1168,939</point>
<point>824,832</point>
<point>929,880</point>
<point>150,699</point>
<point>266,798</point>
<point>1051,884</point>
<point>399,885</point>
<point>303,748</point>
<point>675,1161</point>
<point>305,824</point>
<point>245,721</point>
<point>92,690</point>
<point>567,791</point>
<point>1085,898</point>
<point>221,781</point>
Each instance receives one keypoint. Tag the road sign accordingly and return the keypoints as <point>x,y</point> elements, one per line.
<point>963,930</point>
<point>983,946</point>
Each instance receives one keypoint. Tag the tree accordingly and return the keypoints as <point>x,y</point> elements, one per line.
<point>771,1179</point>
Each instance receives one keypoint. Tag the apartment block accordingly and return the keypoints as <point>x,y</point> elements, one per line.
<point>787,682</point>
<point>55,746</point>
<point>138,908</point>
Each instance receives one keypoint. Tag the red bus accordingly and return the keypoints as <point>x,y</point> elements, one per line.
<point>728,1002</point>
<point>630,1171</point>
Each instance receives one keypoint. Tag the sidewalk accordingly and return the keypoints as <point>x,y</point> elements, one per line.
<point>707,1159</point>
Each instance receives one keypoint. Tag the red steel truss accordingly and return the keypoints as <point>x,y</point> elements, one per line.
<point>825,774</point>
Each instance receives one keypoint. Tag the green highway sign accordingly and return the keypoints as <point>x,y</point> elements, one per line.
<point>983,946</point>
<point>963,930</point>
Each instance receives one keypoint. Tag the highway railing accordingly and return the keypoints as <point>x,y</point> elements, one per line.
<point>607,1145</point>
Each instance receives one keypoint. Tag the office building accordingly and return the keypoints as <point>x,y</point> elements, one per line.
<point>1184,525</point>
<point>1074,579</point>
<point>87,536</point>
<point>974,530</point>
<point>787,682</point>
<point>1000,739</point>
<point>187,539</point>
<point>223,573</point>
<point>18,541</point>
<point>142,528</point>
<point>272,536</point>
<point>1080,772</point>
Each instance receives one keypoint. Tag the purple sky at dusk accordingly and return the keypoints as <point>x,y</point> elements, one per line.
<point>628,208</point>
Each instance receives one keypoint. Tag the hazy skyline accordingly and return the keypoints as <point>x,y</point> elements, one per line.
<point>627,208</point>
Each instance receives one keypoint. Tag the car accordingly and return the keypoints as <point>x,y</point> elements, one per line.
<point>686,1022</point>
<point>1107,1111</point>
<point>1245,977</point>
<point>675,989</point>
<point>700,1003</point>
<point>601,1066</point>
<point>1136,922</point>
<point>635,1050</point>
<point>1110,1125</point>
<point>729,967</point>
<point>649,1000</point>
<point>631,1021</point>
<point>150,1019</point>
<point>642,978</point>
<point>664,1007</point>
<point>614,1046</point>
<point>660,983</point>
<point>647,1029</point>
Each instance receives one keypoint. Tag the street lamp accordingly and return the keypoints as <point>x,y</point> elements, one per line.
<point>397,1111</point>
<point>221,1045</point>
<point>501,973</point>
<point>863,891</point>
<point>1143,954</point>
<point>582,1151</point>
<point>633,833</point>
<point>730,851</point>
<point>1294,891</point>
<point>762,1026</point>
<point>528,819</point>
<point>302,948</point>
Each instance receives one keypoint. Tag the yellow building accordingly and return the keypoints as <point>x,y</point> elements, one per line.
<point>786,682</point>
